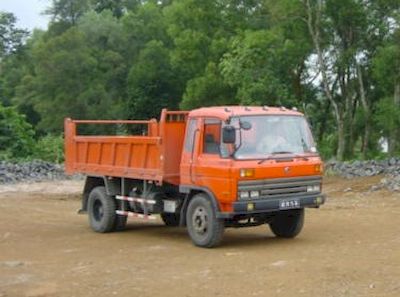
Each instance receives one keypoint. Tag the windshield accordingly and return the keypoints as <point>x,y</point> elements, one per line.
<point>271,135</point>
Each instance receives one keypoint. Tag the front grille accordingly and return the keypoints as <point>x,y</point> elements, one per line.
<point>279,187</point>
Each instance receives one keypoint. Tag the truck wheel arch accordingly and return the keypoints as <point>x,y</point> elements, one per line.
<point>112,187</point>
<point>191,191</point>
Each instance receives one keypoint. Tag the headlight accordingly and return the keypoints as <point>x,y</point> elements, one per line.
<point>314,188</point>
<point>244,195</point>
<point>254,194</point>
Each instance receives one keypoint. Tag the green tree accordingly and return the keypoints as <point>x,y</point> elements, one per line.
<point>11,38</point>
<point>208,90</point>
<point>12,56</point>
<point>268,65</point>
<point>152,84</point>
<point>106,37</point>
<point>200,33</point>
<point>345,36</point>
<point>191,26</point>
<point>386,70</point>
<point>67,11</point>
<point>80,73</point>
<point>17,76</point>
<point>62,85</point>
<point>143,25</point>
<point>259,65</point>
<point>117,7</point>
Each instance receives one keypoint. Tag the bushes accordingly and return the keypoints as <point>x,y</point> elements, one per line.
<point>16,135</point>
<point>50,148</point>
<point>18,143</point>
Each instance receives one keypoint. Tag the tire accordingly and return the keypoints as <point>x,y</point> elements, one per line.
<point>170,219</point>
<point>203,227</point>
<point>101,210</point>
<point>288,223</point>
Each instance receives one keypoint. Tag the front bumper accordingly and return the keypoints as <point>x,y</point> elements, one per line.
<point>258,206</point>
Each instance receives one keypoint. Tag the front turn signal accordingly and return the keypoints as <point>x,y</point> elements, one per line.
<point>249,172</point>
<point>318,168</point>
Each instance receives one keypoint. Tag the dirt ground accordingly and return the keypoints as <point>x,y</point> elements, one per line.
<point>349,247</point>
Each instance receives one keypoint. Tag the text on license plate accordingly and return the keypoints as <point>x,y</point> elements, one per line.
<point>288,204</point>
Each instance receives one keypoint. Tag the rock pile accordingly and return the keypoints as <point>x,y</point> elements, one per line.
<point>30,172</point>
<point>364,168</point>
<point>390,168</point>
<point>391,182</point>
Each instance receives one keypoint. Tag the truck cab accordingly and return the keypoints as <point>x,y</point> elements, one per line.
<point>256,162</point>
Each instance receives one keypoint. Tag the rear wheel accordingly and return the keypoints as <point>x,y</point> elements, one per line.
<point>101,210</point>
<point>203,227</point>
<point>170,219</point>
<point>288,223</point>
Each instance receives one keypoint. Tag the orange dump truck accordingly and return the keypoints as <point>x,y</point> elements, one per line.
<point>207,169</point>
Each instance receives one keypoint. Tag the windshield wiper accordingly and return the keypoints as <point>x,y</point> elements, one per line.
<point>282,152</point>
<point>265,159</point>
<point>290,153</point>
<point>272,156</point>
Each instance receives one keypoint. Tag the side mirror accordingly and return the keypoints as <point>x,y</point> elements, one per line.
<point>229,134</point>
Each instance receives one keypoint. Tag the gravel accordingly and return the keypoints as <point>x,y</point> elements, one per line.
<point>364,168</point>
<point>390,168</point>
<point>391,182</point>
<point>30,172</point>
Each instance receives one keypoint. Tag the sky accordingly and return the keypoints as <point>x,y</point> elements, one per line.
<point>28,12</point>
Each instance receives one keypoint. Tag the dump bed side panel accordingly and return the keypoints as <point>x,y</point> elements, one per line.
<point>136,157</point>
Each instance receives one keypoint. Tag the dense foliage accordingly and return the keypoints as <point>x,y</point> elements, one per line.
<point>338,61</point>
<point>16,135</point>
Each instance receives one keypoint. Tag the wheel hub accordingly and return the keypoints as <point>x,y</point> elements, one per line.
<point>98,210</point>
<point>200,220</point>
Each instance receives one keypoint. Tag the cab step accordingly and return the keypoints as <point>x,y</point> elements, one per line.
<point>135,215</point>
<point>135,199</point>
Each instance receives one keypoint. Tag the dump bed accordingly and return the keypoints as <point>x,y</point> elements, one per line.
<point>154,156</point>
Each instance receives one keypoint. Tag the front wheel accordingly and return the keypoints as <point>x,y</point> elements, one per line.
<point>203,227</point>
<point>288,223</point>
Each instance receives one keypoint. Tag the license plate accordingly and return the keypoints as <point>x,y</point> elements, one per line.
<point>289,204</point>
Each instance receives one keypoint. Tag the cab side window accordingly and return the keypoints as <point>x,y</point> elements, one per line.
<point>212,136</point>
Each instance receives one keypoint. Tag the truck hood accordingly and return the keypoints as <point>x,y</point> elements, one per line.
<point>277,167</point>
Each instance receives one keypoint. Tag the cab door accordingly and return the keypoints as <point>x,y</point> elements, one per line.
<point>210,170</point>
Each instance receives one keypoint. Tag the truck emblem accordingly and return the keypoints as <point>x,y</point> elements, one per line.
<point>286,170</point>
